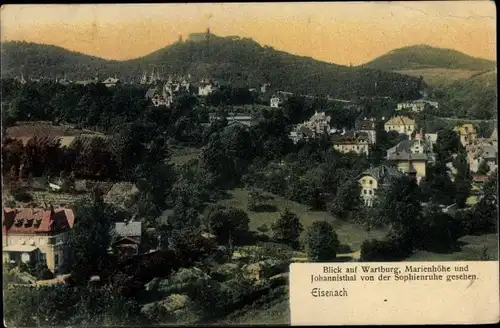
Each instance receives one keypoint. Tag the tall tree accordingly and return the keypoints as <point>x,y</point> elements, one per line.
<point>90,236</point>
<point>463,179</point>
<point>399,207</point>
<point>287,229</point>
<point>228,224</point>
<point>347,200</point>
<point>485,212</point>
<point>321,242</point>
<point>437,186</point>
<point>447,143</point>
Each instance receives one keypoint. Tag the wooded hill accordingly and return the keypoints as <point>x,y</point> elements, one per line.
<point>424,56</point>
<point>240,61</point>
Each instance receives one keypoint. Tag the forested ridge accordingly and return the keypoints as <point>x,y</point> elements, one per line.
<point>238,61</point>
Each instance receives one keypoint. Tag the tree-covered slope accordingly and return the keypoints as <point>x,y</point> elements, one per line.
<point>424,56</point>
<point>37,60</point>
<point>240,61</point>
<point>475,97</point>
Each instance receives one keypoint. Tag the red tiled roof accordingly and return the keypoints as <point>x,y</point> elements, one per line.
<point>479,178</point>
<point>36,220</point>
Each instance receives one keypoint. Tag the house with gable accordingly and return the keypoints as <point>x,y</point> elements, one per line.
<point>467,133</point>
<point>373,179</point>
<point>351,141</point>
<point>128,238</point>
<point>482,150</point>
<point>369,126</point>
<point>400,124</point>
<point>206,87</point>
<point>111,82</point>
<point>275,101</point>
<point>412,156</point>
<point>31,235</point>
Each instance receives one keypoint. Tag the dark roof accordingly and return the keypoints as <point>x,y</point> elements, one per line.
<point>304,130</point>
<point>151,92</point>
<point>350,137</point>
<point>402,151</point>
<point>367,125</point>
<point>126,241</point>
<point>382,173</point>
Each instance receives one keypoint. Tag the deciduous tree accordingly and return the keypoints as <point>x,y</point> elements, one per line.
<point>321,242</point>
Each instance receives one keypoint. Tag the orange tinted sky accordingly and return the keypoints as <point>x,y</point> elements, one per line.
<point>342,33</point>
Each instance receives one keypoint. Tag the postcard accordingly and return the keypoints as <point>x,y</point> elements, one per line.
<point>331,163</point>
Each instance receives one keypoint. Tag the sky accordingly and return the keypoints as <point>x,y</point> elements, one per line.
<point>342,33</point>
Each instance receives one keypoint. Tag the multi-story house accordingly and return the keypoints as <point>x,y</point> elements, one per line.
<point>482,150</point>
<point>373,179</point>
<point>128,238</point>
<point>206,87</point>
<point>160,96</point>
<point>400,124</point>
<point>467,133</point>
<point>301,132</point>
<point>31,235</point>
<point>264,87</point>
<point>412,156</point>
<point>369,126</point>
<point>111,82</point>
<point>275,101</point>
<point>351,141</point>
<point>411,105</point>
<point>319,123</point>
<point>416,105</point>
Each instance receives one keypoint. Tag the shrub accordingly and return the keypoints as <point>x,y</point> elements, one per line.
<point>22,195</point>
<point>379,251</point>
<point>42,272</point>
<point>344,249</point>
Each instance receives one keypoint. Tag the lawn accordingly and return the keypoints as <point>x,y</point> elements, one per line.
<point>471,250</point>
<point>182,155</point>
<point>349,233</point>
<point>439,76</point>
<point>66,133</point>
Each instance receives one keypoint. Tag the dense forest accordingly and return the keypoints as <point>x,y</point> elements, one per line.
<point>241,62</point>
<point>424,56</point>
<point>473,98</point>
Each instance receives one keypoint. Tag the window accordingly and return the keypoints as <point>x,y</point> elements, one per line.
<point>371,182</point>
<point>370,192</point>
<point>364,191</point>
<point>56,259</point>
<point>43,257</point>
